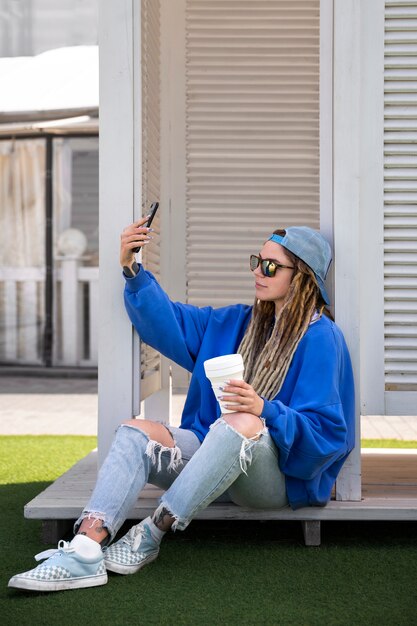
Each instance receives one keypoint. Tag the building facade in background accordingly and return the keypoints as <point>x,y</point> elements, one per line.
<point>29,27</point>
<point>48,180</point>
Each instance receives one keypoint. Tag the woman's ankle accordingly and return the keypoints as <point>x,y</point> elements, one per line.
<point>94,529</point>
<point>163,519</point>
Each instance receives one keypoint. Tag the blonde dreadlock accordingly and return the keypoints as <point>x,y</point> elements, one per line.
<point>267,355</point>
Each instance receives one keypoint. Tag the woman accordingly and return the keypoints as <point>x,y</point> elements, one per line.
<point>291,430</point>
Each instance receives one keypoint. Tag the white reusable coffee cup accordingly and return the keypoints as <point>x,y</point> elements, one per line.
<point>223,368</point>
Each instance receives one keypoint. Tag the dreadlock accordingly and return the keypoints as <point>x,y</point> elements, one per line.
<point>267,355</point>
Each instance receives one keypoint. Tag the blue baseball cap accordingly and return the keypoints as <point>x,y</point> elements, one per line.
<point>312,248</point>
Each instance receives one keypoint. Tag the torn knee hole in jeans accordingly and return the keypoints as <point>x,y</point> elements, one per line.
<point>245,454</point>
<point>154,451</point>
<point>258,435</point>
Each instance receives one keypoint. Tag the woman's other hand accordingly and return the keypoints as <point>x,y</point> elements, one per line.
<point>134,236</point>
<point>244,398</point>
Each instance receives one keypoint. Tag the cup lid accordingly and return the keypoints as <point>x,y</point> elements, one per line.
<point>221,363</point>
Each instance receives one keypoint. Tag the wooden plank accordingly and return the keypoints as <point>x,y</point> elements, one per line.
<point>375,509</point>
<point>390,475</point>
<point>394,497</point>
<point>312,533</point>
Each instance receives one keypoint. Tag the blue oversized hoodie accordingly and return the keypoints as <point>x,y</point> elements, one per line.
<point>312,418</point>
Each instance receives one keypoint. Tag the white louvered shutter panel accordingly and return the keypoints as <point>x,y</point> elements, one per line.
<point>401,197</point>
<point>252,135</point>
<point>150,358</point>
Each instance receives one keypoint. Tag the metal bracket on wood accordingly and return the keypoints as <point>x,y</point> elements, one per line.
<point>55,529</point>
<point>311,532</point>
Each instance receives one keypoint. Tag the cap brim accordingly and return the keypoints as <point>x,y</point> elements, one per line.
<point>323,290</point>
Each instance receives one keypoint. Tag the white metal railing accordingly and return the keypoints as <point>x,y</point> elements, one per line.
<point>75,314</point>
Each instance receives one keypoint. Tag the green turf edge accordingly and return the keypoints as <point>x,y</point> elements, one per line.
<point>387,443</point>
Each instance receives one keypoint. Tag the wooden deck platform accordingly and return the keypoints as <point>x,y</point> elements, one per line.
<point>389,492</point>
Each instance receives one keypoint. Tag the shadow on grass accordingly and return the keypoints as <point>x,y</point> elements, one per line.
<point>228,573</point>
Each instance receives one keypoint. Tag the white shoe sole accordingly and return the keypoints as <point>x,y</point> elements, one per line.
<point>29,584</point>
<point>119,568</point>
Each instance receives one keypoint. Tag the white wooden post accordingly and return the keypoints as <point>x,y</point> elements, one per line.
<point>358,115</point>
<point>173,160</point>
<point>326,129</point>
<point>346,125</point>
<point>120,167</point>
<point>159,404</point>
<point>371,209</point>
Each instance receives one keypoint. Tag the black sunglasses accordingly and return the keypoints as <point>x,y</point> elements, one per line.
<point>268,266</point>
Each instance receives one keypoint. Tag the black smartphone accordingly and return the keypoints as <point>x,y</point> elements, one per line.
<point>153,210</point>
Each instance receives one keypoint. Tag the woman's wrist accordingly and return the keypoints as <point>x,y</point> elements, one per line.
<point>261,406</point>
<point>130,271</point>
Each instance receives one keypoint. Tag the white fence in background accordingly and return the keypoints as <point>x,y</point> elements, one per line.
<point>75,314</point>
<point>21,312</point>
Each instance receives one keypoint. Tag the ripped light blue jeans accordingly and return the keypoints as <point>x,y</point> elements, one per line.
<point>244,471</point>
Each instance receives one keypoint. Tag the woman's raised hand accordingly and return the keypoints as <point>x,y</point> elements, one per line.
<point>134,236</point>
<point>244,398</point>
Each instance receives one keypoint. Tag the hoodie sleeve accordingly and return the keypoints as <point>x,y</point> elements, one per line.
<point>310,431</point>
<point>174,329</point>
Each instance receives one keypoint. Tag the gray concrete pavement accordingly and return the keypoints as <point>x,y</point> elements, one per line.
<point>63,406</point>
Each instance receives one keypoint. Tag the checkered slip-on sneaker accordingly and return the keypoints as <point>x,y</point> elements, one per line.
<point>71,566</point>
<point>133,551</point>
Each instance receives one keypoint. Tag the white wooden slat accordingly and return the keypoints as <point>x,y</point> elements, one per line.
<point>400,201</point>
<point>29,328</point>
<point>10,320</point>
<point>93,317</point>
<point>252,135</point>
<point>87,274</point>
<point>70,301</point>
<point>393,318</point>
<point>398,338</point>
<point>22,274</point>
<point>409,357</point>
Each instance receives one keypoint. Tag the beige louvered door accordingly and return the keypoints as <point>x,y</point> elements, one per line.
<point>252,135</point>
<point>150,358</point>
<point>400,229</point>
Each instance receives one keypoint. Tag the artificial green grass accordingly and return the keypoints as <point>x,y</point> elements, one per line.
<point>40,457</point>
<point>214,572</point>
<point>387,443</point>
